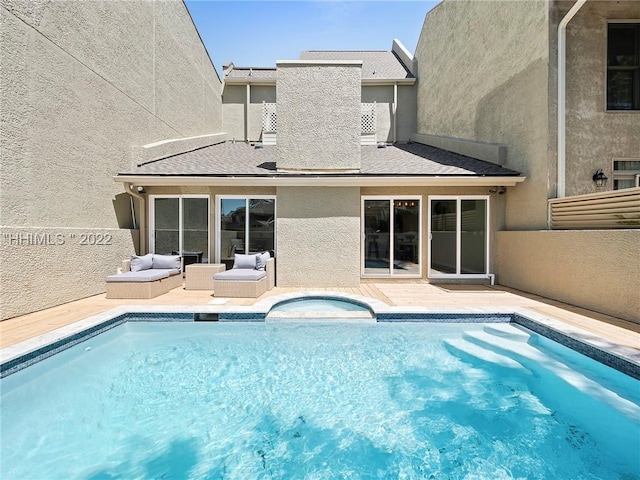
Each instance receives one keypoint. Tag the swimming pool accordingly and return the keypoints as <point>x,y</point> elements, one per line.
<point>268,400</point>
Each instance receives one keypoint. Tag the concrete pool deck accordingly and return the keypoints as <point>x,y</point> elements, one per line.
<point>410,294</point>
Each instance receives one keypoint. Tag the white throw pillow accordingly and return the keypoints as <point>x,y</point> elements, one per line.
<point>139,263</point>
<point>261,260</point>
<point>166,261</point>
<point>244,261</point>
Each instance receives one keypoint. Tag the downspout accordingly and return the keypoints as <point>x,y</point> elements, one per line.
<point>562,96</point>
<point>395,112</point>
<point>246,114</point>
<point>129,188</point>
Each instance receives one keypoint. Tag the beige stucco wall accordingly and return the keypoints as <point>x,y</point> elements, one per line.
<point>594,269</point>
<point>594,136</point>
<point>318,237</point>
<point>234,110</point>
<point>406,112</point>
<point>234,99</point>
<point>83,84</point>
<point>323,134</point>
<point>483,75</point>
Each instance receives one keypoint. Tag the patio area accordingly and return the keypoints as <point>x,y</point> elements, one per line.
<point>410,293</point>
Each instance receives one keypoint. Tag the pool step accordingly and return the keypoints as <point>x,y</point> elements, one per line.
<point>465,349</point>
<point>509,331</point>
<point>535,360</point>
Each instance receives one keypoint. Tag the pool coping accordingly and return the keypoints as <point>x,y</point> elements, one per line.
<point>33,350</point>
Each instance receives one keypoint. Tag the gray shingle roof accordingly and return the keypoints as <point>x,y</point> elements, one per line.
<point>240,159</point>
<point>375,64</point>
<point>382,65</point>
<point>419,159</point>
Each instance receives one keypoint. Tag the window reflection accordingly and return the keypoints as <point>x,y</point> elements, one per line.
<point>247,225</point>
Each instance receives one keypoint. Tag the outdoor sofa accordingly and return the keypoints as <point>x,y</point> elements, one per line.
<point>250,277</point>
<point>146,276</point>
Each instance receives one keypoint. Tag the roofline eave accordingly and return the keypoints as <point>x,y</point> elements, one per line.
<point>308,180</point>
<point>271,82</point>
<point>388,81</point>
<point>365,81</point>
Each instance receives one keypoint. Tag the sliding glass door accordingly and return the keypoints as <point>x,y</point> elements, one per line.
<point>459,237</point>
<point>391,236</point>
<point>245,225</point>
<point>180,225</point>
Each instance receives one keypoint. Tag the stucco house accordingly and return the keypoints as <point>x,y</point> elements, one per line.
<point>345,165</point>
<point>321,169</point>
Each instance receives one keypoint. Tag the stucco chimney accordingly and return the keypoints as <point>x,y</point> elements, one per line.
<point>319,115</point>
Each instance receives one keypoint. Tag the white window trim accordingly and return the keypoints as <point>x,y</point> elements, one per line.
<point>459,199</point>
<point>390,198</point>
<point>218,218</point>
<point>625,174</point>
<point>152,220</point>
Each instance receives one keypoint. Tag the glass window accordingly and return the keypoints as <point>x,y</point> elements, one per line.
<point>443,236</point>
<point>232,226</point>
<point>246,225</point>
<point>195,229</point>
<point>626,174</point>
<point>473,236</point>
<point>623,66</point>
<point>180,227</point>
<point>167,225</point>
<point>459,236</point>
<point>391,237</point>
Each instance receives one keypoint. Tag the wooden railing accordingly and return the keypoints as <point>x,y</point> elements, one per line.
<point>594,211</point>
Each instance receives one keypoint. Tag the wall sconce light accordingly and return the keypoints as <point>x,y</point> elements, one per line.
<point>600,178</point>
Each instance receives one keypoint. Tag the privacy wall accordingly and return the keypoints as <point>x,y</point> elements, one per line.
<point>595,269</point>
<point>82,85</point>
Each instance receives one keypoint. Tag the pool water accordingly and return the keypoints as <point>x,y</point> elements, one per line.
<point>262,401</point>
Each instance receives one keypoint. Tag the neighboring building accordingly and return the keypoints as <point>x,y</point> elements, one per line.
<point>82,86</point>
<point>346,165</point>
<point>488,72</point>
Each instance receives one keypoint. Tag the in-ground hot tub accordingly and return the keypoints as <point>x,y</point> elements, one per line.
<point>321,308</point>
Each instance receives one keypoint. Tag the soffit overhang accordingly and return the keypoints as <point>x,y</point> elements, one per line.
<point>324,180</point>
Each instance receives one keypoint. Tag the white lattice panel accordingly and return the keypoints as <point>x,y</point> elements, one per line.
<point>269,118</point>
<point>368,117</point>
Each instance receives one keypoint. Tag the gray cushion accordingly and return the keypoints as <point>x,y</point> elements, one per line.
<point>244,261</point>
<point>168,271</point>
<point>140,276</point>
<point>261,260</point>
<point>139,263</point>
<point>240,274</point>
<point>166,261</point>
